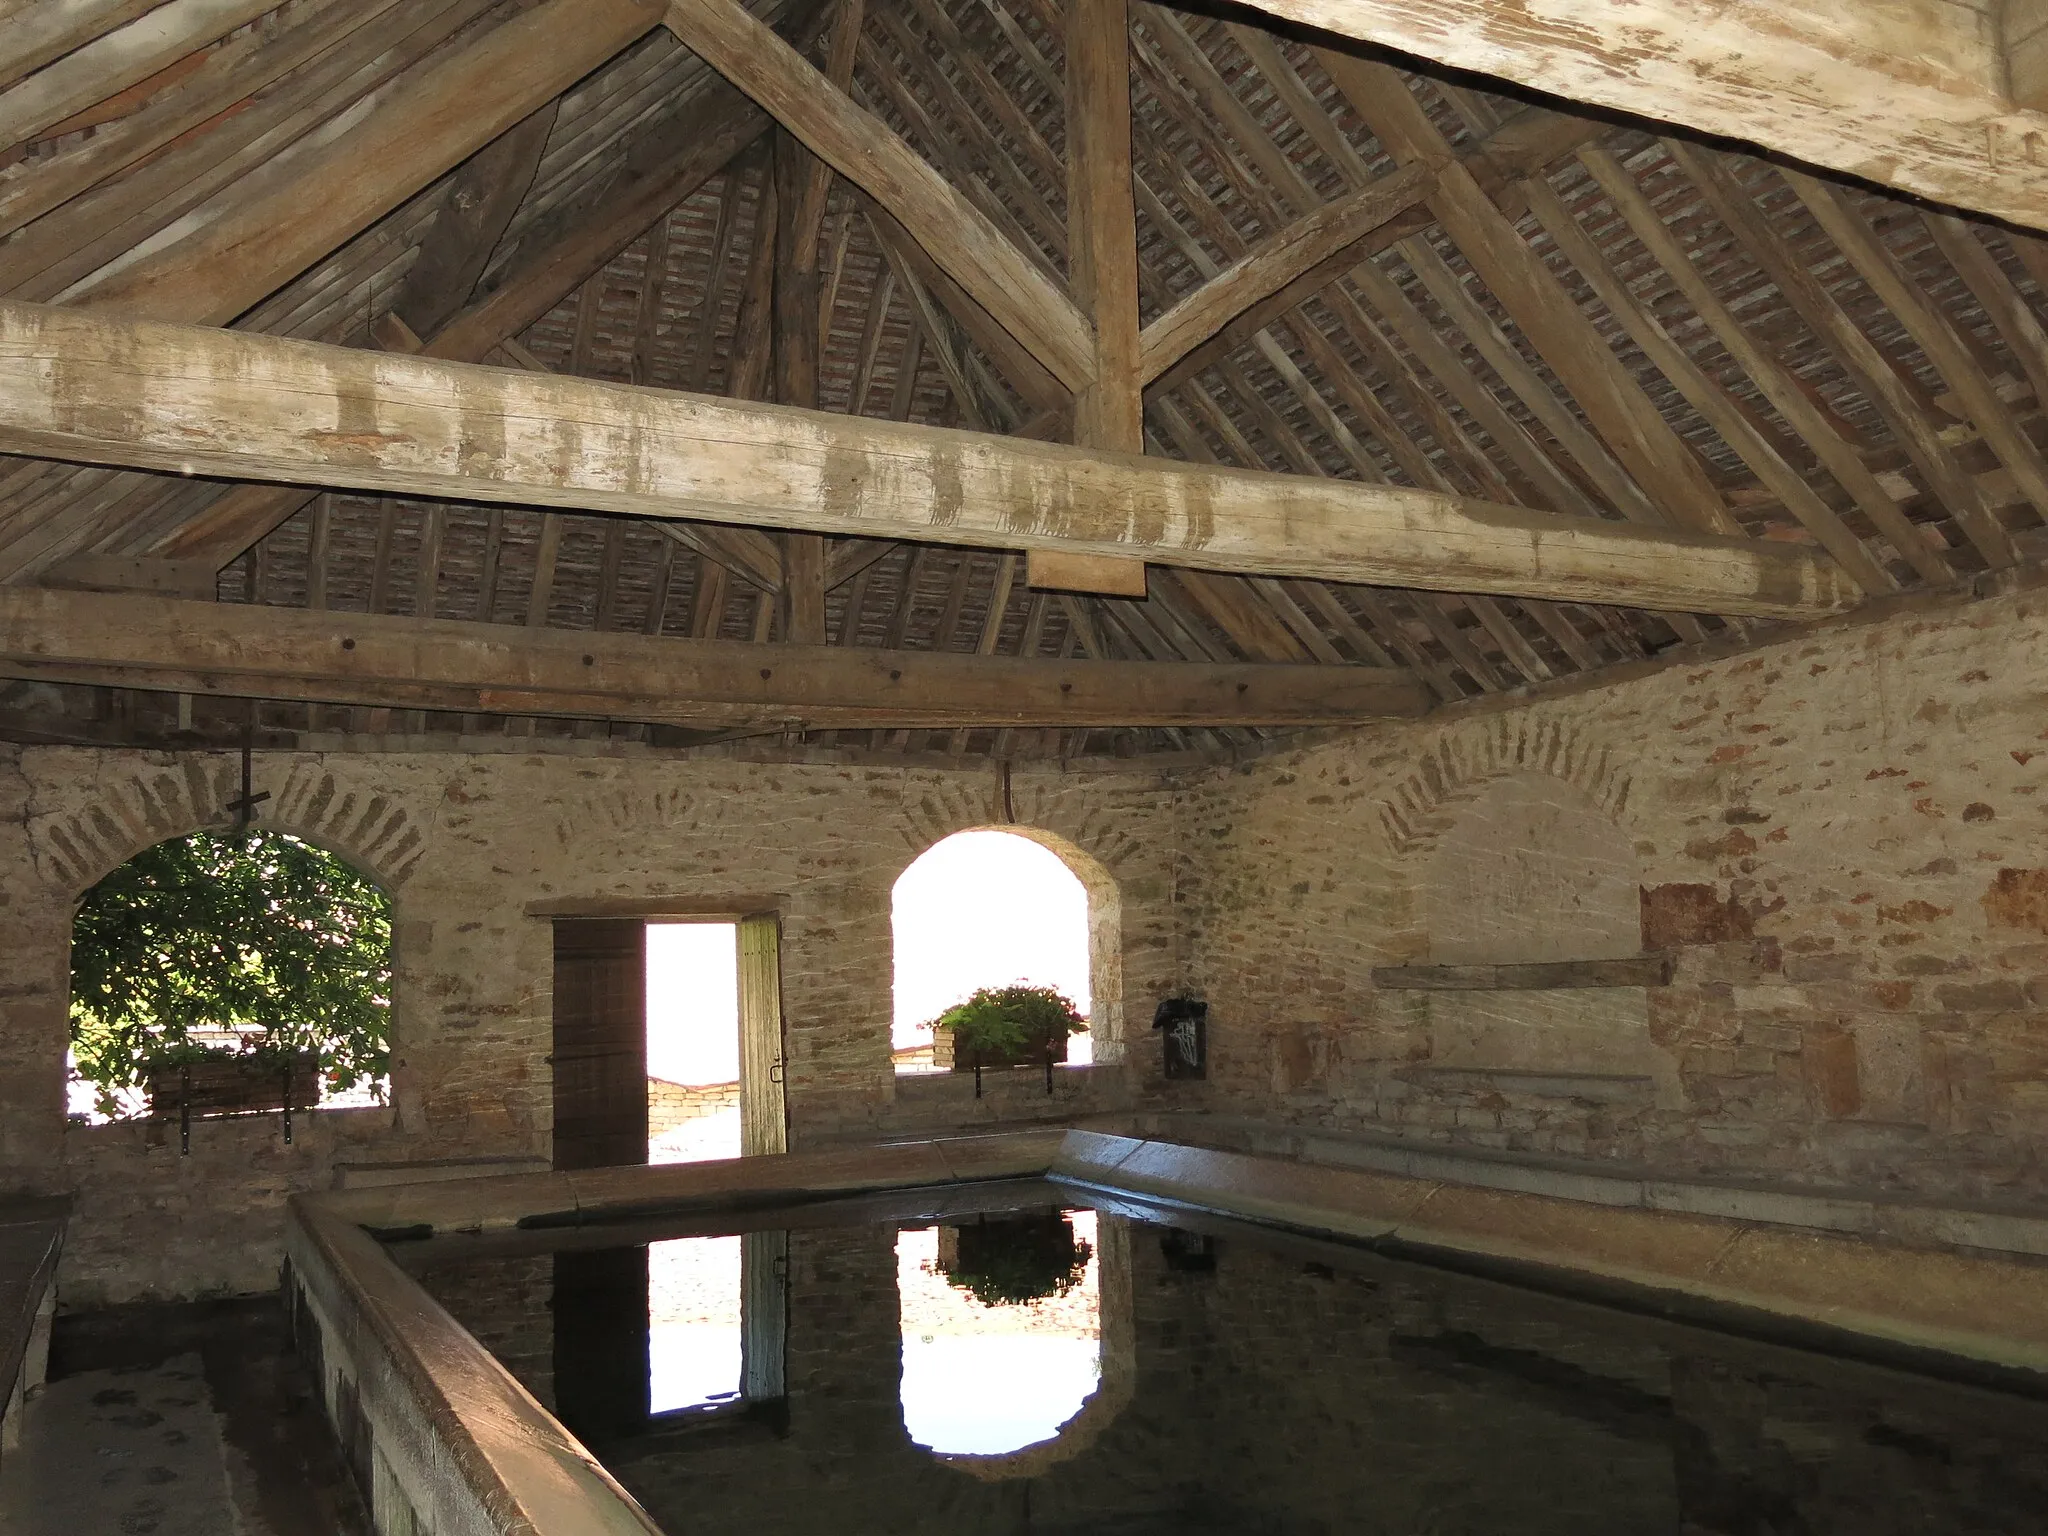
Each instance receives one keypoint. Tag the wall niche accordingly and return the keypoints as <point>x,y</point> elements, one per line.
<point>1533,871</point>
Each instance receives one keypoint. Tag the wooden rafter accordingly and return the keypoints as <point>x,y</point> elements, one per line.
<point>214,273</point>
<point>702,142</point>
<point>1011,286</point>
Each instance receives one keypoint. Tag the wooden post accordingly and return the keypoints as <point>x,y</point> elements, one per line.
<point>800,201</point>
<point>1102,242</point>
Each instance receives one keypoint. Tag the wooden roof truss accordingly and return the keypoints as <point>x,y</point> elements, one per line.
<point>1347,266</point>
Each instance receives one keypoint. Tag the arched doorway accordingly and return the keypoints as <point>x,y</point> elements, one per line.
<point>990,907</point>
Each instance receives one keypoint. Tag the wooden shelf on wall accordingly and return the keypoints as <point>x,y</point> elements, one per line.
<point>1651,970</point>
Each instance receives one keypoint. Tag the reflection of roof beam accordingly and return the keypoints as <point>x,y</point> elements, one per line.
<point>863,149</point>
<point>189,399</point>
<point>1913,95</point>
<point>442,664</point>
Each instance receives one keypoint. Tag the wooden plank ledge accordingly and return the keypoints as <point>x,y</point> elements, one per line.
<point>1651,970</point>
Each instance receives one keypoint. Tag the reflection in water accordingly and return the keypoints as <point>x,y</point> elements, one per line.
<point>693,1323</point>
<point>984,1371</point>
<point>1249,1383</point>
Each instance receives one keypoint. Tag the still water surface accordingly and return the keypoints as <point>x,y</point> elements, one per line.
<point>1004,1361</point>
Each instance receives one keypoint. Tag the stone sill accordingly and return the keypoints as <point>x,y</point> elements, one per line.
<point>1855,1212</point>
<point>1597,1087</point>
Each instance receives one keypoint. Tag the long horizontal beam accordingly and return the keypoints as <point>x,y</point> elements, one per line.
<point>380,659</point>
<point>556,259</point>
<point>1922,95</point>
<point>868,153</point>
<point>194,400</point>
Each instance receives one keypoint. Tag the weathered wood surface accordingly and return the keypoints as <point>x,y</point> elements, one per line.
<point>184,400</point>
<point>554,260</point>
<point>217,271</point>
<point>1060,571</point>
<point>863,149</point>
<point>456,665</point>
<point>1910,94</point>
<point>1102,237</point>
<point>1652,970</point>
<point>1277,261</point>
<point>194,579</point>
<point>109,62</point>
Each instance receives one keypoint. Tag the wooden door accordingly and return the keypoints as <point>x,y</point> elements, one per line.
<point>600,1055</point>
<point>599,1312</point>
<point>764,1114</point>
<point>764,1315</point>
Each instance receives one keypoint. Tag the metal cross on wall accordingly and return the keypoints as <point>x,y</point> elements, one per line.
<point>245,806</point>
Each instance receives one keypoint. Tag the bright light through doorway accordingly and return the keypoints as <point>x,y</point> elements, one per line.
<point>984,909</point>
<point>693,1042</point>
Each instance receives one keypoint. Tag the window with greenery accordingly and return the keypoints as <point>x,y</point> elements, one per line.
<point>236,946</point>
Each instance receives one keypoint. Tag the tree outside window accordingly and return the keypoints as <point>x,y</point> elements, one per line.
<point>229,946</point>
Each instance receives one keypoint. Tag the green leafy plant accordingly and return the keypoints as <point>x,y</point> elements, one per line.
<point>256,932</point>
<point>999,1025</point>
<point>1011,1260</point>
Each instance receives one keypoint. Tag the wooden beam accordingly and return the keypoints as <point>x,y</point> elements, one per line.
<point>1652,970</point>
<point>1102,239</point>
<point>863,149</point>
<point>479,202</point>
<point>1912,94</point>
<point>1018,367</point>
<point>33,35</point>
<point>563,254</point>
<point>564,249</point>
<point>1660,461</point>
<point>192,579</point>
<point>386,661</point>
<point>1777,382</point>
<point>1060,570</point>
<point>195,400</point>
<point>226,75</point>
<point>1277,261</point>
<point>1102,258</point>
<point>454,108</point>
<point>107,63</point>
<point>800,187</point>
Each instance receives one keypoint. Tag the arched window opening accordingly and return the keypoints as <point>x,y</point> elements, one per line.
<point>1002,1330</point>
<point>229,974</point>
<point>989,909</point>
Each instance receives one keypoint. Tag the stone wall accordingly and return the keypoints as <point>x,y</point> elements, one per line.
<point>672,1104</point>
<point>1840,837</point>
<point>466,845</point>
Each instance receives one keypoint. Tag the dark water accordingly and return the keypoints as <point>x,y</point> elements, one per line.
<point>874,1367</point>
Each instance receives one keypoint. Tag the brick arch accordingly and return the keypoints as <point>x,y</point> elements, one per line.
<point>77,849</point>
<point>1041,807</point>
<point>1462,762</point>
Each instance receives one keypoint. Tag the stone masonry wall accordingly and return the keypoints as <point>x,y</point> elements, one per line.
<point>465,845</point>
<point>1841,837</point>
